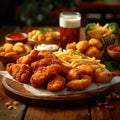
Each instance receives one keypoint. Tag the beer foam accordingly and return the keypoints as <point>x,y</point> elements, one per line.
<point>70,21</point>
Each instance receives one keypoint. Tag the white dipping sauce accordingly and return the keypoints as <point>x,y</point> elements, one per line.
<point>51,47</point>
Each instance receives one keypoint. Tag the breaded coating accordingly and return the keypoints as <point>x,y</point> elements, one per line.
<point>73,74</point>
<point>28,59</point>
<point>57,83</point>
<point>20,72</point>
<point>44,62</point>
<point>43,74</point>
<point>82,45</point>
<point>92,50</point>
<point>71,46</point>
<point>78,72</point>
<point>96,42</point>
<point>78,84</point>
<point>103,77</point>
<point>45,54</point>
<point>86,69</point>
<point>87,77</point>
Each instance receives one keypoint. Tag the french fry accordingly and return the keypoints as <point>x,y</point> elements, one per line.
<point>100,31</point>
<point>70,59</point>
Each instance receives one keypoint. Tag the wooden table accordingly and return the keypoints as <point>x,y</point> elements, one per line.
<point>30,112</point>
<point>101,8</point>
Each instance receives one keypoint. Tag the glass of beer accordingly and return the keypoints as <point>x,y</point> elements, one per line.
<point>69,23</point>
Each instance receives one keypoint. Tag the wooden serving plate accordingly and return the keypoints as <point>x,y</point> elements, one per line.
<point>17,91</point>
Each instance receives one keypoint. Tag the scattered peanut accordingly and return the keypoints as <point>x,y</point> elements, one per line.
<point>99,103</point>
<point>7,104</point>
<point>106,103</point>
<point>110,107</point>
<point>10,107</point>
<point>11,104</point>
<point>16,103</point>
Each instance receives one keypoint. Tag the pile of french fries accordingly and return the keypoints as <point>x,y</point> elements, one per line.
<point>99,31</point>
<point>70,59</point>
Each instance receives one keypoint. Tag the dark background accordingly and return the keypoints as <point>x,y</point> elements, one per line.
<point>36,12</point>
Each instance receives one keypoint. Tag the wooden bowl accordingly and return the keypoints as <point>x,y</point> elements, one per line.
<point>36,42</point>
<point>32,42</point>
<point>12,58</point>
<point>98,55</point>
<point>16,37</point>
<point>114,52</point>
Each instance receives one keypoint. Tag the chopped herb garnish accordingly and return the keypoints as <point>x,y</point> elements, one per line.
<point>112,65</point>
<point>44,30</point>
<point>81,54</point>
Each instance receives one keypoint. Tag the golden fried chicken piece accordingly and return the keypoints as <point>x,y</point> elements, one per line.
<point>82,45</point>
<point>46,54</point>
<point>43,74</point>
<point>44,62</point>
<point>7,47</point>
<point>87,77</point>
<point>20,72</point>
<point>78,84</point>
<point>71,46</point>
<point>92,50</point>
<point>40,77</point>
<point>73,74</point>
<point>116,72</point>
<point>19,48</point>
<point>9,69</point>
<point>103,77</point>
<point>60,69</point>
<point>56,83</point>
<point>28,59</point>
<point>78,72</point>
<point>86,69</point>
<point>96,42</point>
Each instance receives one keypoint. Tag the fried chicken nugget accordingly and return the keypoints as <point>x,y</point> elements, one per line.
<point>95,42</point>
<point>28,59</point>
<point>73,74</point>
<point>46,54</point>
<point>78,84</point>
<point>92,50</point>
<point>86,69</point>
<point>39,77</point>
<point>43,74</point>
<point>9,69</point>
<point>82,45</point>
<point>44,62</point>
<point>56,83</point>
<point>87,77</point>
<point>71,46</point>
<point>20,72</point>
<point>8,47</point>
<point>19,48</point>
<point>27,48</point>
<point>103,77</point>
<point>78,72</point>
<point>2,49</point>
